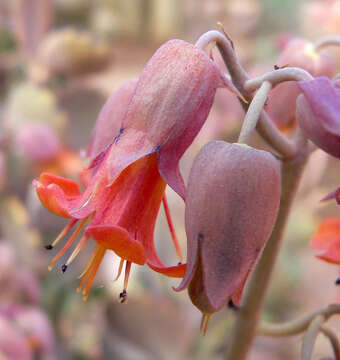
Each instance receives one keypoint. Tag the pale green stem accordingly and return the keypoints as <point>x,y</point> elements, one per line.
<point>310,337</point>
<point>330,40</point>
<point>249,314</point>
<point>296,326</point>
<point>254,111</point>
<point>333,339</point>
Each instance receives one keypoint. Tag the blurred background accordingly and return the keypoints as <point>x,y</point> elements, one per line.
<point>59,61</point>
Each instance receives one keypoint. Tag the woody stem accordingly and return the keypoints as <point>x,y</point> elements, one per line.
<point>248,316</point>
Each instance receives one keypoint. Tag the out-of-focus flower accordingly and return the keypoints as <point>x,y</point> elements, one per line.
<point>327,238</point>
<point>231,206</point>
<point>13,344</point>
<point>38,142</point>
<point>37,328</point>
<point>28,103</point>
<point>3,171</point>
<point>281,101</point>
<point>318,113</point>
<point>171,101</point>
<point>30,328</point>
<point>72,52</point>
<point>20,283</point>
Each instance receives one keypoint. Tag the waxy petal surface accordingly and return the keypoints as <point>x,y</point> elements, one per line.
<point>318,113</point>
<point>232,202</point>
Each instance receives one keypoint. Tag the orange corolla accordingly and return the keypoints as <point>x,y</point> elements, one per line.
<point>168,106</point>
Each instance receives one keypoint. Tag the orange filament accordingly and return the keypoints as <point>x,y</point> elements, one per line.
<point>127,274</point>
<point>66,229</point>
<point>204,323</point>
<point>68,244</point>
<point>76,251</point>
<point>119,269</point>
<point>172,229</point>
<point>92,271</point>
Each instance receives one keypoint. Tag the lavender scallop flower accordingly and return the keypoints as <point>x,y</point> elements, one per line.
<point>232,200</point>
<point>318,113</point>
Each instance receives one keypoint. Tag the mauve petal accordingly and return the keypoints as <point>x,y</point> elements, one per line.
<point>110,118</point>
<point>172,100</point>
<point>232,201</point>
<point>319,125</point>
<point>324,99</point>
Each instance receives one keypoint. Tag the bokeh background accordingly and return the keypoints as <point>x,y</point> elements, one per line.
<point>59,61</point>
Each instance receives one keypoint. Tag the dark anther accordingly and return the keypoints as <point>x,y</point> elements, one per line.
<point>123,296</point>
<point>48,247</point>
<point>179,263</point>
<point>231,305</point>
<point>64,268</point>
<point>337,281</point>
<point>121,130</point>
<point>276,67</point>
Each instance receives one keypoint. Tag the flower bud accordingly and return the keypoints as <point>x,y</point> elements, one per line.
<point>298,53</point>
<point>68,52</point>
<point>232,201</point>
<point>38,142</point>
<point>318,113</point>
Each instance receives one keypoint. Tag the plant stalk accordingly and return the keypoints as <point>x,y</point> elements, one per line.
<point>248,316</point>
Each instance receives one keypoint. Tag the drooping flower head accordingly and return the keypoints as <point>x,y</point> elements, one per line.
<point>318,113</point>
<point>231,205</point>
<point>168,106</point>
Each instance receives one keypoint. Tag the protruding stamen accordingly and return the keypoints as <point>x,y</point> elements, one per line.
<point>208,316</point>
<point>123,297</point>
<point>64,268</point>
<point>119,269</point>
<point>66,229</point>
<point>172,229</point>
<point>49,247</point>
<point>123,294</point>
<point>76,251</point>
<point>68,244</point>
<point>99,254</point>
<point>204,323</point>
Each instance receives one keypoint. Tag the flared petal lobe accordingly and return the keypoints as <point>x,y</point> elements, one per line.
<point>327,238</point>
<point>172,100</point>
<point>56,193</point>
<point>231,206</point>
<point>318,113</point>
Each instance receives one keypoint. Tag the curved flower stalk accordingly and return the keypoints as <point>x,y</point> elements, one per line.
<point>232,202</point>
<point>318,113</point>
<point>168,106</point>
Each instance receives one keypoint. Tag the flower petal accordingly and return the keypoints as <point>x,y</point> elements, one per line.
<point>118,239</point>
<point>53,198</point>
<point>69,187</point>
<point>177,271</point>
<point>328,232</point>
<point>332,254</point>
